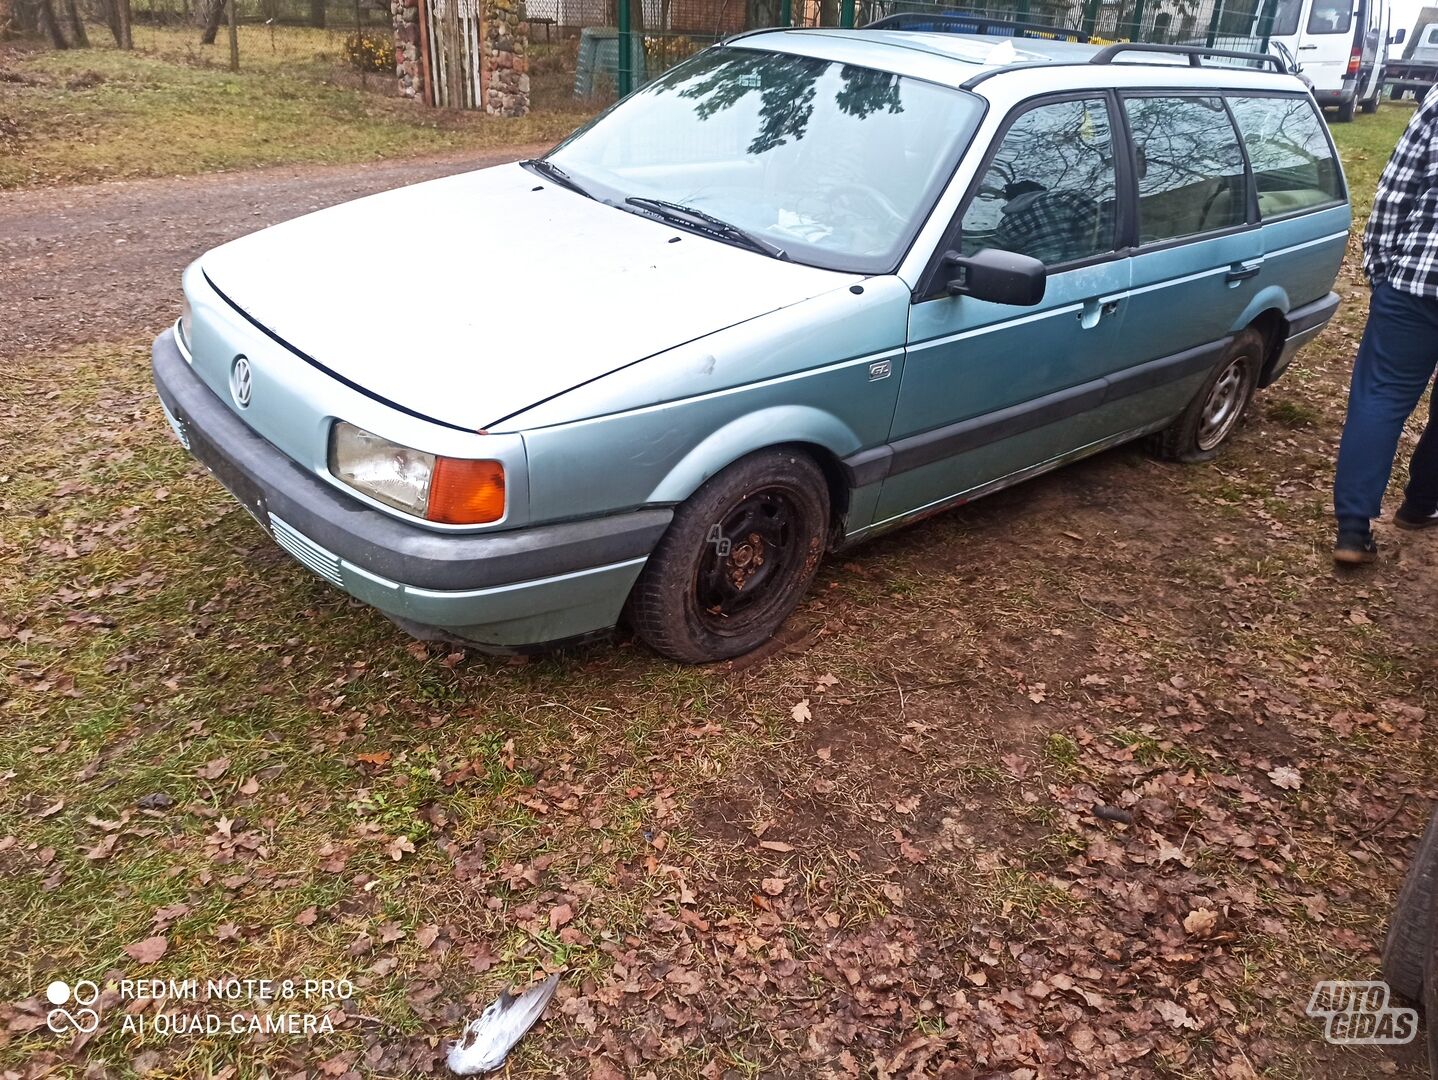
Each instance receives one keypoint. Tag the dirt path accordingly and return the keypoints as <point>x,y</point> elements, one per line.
<point>103,261</point>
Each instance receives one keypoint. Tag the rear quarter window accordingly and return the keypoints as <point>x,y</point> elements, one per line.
<point>1292,159</point>
<point>1330,17</point>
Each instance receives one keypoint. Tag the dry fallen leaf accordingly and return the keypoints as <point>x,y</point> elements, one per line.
<point>774,885</point>
<point>307,917</point>
<point>800,712</point>
<point>1286,778</point>
<point>1176,1015</point>
<point>1200,922</point>
<point>149,950</point>
<point>213,770</point>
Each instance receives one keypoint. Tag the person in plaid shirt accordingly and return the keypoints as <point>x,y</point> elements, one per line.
<point>1399,351</point>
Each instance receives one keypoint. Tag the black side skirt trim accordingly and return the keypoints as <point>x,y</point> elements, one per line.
<point>1310,315</point>
<point>871,466</point>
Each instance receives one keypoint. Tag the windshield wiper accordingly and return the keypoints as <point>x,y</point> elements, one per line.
<point>678,212</point>
<point>549,169</point>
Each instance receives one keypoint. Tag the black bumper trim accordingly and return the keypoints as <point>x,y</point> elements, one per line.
<point>1306,317</point>
<point>372,540</point>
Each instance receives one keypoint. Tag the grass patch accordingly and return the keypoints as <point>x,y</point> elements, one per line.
<point>171,108</point>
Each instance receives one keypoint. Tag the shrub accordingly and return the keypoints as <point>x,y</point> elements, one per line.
<point>366,51</point>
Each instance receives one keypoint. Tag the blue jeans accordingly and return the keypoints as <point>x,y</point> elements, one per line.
<point>1395,364</point>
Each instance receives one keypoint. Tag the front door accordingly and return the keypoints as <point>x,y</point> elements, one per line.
<point>990,390</point>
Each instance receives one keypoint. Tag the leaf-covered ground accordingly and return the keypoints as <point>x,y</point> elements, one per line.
<point>1094,778</point>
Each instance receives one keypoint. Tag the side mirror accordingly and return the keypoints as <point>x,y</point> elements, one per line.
<point>1000,277</point>
<point>1398,36</point>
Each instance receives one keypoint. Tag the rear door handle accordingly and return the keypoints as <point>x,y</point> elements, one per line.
<point>1241,271</point>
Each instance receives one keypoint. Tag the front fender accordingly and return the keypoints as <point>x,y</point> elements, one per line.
<point>776,425</point>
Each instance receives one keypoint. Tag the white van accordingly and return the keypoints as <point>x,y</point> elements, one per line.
<point>1340,46</point>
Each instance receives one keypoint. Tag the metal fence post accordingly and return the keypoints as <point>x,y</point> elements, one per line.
<point>1090,16</point>
<point>626,51</point>
<point>1265,23</point>
<point>1214,21</point>
<point>846,14</point>
<point>1135,21</point>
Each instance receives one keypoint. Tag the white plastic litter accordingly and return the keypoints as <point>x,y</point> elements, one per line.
<point>487,1041</point>
<point>1003,53</point>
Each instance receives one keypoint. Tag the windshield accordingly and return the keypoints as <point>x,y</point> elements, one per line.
<point>834,164</point>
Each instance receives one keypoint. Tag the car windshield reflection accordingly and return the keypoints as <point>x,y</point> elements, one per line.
<point>835,164</point>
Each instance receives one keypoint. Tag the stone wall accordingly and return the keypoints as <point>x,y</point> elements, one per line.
<point>503,58</point>
<point>406,47</point>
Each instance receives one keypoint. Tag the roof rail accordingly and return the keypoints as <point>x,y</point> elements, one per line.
<point>1195,54</point>
<point>948,22</point>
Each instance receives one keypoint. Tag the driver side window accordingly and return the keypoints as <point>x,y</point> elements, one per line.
<point>1050,192</point>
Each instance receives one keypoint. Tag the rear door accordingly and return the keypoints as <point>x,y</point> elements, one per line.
<point>1325,47</point>
<point>1199,255</point>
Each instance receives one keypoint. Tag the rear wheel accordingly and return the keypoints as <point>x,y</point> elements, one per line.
<point>1213,414</point>
<point>1410,931</point>
<point>1347,109</point>
<point>736,561</point>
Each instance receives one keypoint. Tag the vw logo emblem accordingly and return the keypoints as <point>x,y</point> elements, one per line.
<point>241,381</point>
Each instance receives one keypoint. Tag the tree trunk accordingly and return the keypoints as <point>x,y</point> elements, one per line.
<point>77,25</point>
<point>317,13</point>
<point>234,35</point>
<point>123,36</point>
<point>213,14</point>
<point>51,25</point>
<point>828,12</point>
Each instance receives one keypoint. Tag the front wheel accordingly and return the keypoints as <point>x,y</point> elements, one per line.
<point>736,561</point>
<point>1214,413</point>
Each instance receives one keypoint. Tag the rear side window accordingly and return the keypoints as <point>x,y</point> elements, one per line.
<point>1293,165</point>
<point>1050,190</point>
<point>1330,17</point>
<point>1190,167</point>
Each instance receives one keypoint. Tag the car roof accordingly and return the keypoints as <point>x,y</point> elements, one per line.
<point>973,60</point>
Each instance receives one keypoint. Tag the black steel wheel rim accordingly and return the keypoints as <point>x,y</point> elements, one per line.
<point>749,557</point>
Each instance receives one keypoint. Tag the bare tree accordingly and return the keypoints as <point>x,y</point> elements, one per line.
<point>212,13</point>
<point>51,25</point>
<point>234,35</point>
<point>77,25</point>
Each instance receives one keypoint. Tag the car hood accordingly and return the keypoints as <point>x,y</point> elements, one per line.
<point>469,298</point>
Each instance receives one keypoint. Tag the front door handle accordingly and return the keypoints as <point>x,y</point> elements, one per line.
<point>1305,48</point>
<point>1094,309</point>
<point>1242,271</point>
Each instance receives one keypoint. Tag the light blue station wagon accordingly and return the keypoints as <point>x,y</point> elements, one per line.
<point>806,287</point>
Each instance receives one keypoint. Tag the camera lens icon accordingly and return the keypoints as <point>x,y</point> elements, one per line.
<point>82,1019</point>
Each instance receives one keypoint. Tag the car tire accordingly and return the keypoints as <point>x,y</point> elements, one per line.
<point>1410,931</point>
<point>736,560</point>
<point>1347,109</point>
<point>1371,105</point>
<point>1217,409</point>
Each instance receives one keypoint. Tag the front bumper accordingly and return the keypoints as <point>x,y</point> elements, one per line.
<point>508,590</point>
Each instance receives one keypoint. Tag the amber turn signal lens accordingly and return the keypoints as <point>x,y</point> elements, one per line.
<point>465,492</point>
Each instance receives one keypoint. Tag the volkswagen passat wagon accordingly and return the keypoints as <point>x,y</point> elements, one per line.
<point>805,287</point>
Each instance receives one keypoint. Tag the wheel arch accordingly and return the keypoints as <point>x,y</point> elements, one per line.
<point>821,435</point>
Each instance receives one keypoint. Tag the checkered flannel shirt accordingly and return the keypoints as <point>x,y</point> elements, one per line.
<point>1053,227</point>
<point>1400,245</point>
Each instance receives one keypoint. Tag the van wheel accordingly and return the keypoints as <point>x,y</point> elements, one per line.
<point>1410,931</point>
<point>1347,109</point>
<point>1214,413</point>
<point>737,559</point>
<point>1371,105</point>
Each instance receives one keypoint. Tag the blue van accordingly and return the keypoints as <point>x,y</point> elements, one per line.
<point>804,288</point>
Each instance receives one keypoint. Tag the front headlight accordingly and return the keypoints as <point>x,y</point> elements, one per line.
<point>457,491</point>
